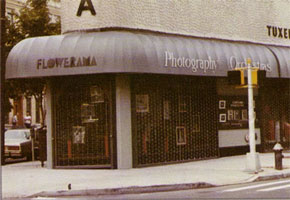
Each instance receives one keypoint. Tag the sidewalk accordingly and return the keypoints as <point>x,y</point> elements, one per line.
<point>29,178</point>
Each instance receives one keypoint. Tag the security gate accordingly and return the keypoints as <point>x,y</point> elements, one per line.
<point>83,123</point>
<point>275,115</point>
<point>174,119</point>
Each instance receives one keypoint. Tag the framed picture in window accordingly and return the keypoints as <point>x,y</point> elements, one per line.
<point>142,103</point>
<point>88,113</point>
<point>223,117</point>
<point>180,135</point>
<point>222,104</point>
<point>79,134</point>
<point>97,94</point>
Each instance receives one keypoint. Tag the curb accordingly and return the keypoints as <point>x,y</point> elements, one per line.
<point>124,190</point>
<point>272,177</point>
<point>147,189</point>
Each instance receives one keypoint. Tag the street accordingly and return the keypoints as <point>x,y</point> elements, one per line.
<point>275,189</point>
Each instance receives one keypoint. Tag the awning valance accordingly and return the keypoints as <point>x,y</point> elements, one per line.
<point>137,52</point>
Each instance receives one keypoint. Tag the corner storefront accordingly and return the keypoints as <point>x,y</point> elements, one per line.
<point>125,98</point>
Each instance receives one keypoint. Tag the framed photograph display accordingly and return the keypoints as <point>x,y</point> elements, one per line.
<point>180,135</point>
<point>222,104</point>
<point>97,94</point>
<point>88,113</point>
<point>223,117</point>
<point>142,103</point>
<point>236,110</point>
<point>79,134</point>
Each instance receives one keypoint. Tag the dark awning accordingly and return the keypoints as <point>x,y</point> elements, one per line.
<point>136,52</point>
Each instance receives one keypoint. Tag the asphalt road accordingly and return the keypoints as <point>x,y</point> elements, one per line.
<point>274,189</point>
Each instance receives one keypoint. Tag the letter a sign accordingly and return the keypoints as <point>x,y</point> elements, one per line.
<point>86,5</point>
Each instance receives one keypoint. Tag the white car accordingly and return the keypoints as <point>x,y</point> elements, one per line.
<point>18,143</point>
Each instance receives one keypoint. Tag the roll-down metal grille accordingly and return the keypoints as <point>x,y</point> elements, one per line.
<point>83,119</point>
<point>174,119</point>
<point>275,115</point>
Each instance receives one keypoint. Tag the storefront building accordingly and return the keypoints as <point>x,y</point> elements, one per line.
<point>136,84</point>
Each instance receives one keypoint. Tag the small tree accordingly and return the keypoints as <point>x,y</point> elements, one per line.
<point>32,21</point>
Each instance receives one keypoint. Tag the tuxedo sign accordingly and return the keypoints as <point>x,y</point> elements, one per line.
<point>86,5</point>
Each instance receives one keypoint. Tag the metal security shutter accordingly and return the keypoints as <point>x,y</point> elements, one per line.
<point>174,119</point>
<point>83,123</point>
<point>275,107</point>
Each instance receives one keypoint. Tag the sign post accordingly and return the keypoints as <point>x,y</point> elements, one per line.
<point>253,161</point>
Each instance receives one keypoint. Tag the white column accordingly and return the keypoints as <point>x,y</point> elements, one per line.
<point>123,120</point>
<point>49,120</point>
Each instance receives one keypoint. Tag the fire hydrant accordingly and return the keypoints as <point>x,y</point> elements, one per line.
<point>278,156</point>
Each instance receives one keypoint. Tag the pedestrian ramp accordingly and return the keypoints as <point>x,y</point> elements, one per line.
<point>262,187</point>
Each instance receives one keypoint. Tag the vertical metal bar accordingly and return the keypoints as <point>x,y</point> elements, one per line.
<point>2,76</point>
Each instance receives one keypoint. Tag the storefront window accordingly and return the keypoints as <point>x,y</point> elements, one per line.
<point>233,112</point>
<point>181,124</point>
<point>83,123</point>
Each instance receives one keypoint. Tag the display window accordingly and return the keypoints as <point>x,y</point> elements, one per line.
<point>233,112</point>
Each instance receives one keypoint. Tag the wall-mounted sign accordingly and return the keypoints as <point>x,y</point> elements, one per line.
<point>278,32</point>
<point>86,5</point>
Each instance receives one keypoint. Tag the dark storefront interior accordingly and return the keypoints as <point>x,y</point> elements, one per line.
<point>83,122</point>
<point>174,119</point>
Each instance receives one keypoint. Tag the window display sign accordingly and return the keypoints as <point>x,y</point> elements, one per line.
<point>233,112</point>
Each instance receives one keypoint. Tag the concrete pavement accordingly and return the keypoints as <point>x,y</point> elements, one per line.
<point>30,179</point>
